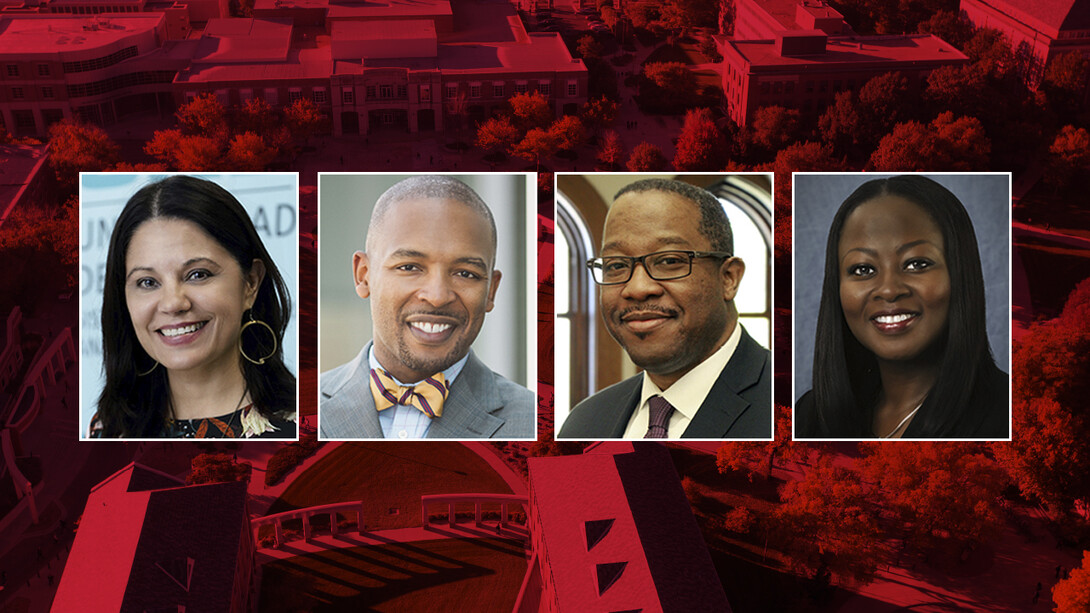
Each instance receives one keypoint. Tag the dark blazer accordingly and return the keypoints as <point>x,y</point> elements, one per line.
<point>481,404</point>
<point>739,405</point>
<point>987,416</point>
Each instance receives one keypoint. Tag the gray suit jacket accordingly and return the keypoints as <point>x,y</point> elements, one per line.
<point>739,404</point>
<point>481,404</point>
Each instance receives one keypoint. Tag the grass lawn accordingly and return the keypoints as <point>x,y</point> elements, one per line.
<point>480,575</point>
<point>390,477</point>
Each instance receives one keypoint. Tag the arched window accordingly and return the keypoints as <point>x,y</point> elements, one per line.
<point>576,312</point>
<point>749,208</point>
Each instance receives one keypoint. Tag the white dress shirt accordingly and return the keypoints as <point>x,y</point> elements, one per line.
<point>686,394</point>
<point>406,422</point>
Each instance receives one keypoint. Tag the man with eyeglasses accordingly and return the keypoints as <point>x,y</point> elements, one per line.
<point>667,281</point>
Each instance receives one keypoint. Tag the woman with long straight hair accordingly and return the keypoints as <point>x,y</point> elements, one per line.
<point>194,312</point>
<point>901,349</point>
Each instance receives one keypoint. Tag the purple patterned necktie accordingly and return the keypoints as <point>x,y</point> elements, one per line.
<point>660,417</point>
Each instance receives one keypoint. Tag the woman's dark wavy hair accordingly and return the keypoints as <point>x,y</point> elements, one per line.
<point>137,406</point>
<point>846,381</point>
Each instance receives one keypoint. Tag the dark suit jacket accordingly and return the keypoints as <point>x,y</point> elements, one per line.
<point>481,404</point>
<point>739,405</point>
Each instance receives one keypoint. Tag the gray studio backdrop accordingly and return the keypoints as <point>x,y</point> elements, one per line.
<point>271,199</point>
<point>816,200</point>
<point>507,341</point>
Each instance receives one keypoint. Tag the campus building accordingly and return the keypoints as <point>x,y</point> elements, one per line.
<point>98,68</point>
<point>761,19</point>
<point>145,543</point>
<point>391,65</point>
<point>611,530</point>
<point>801,58</point>
<point>1038,31</point>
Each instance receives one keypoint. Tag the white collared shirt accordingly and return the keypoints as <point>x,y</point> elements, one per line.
<point>686,394</point>
<point>406,422</point>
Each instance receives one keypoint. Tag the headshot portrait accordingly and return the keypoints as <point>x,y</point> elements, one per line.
<point>187,320</point>
<point>427,307</point>
<point>902,306</point>
<point>669,278</point>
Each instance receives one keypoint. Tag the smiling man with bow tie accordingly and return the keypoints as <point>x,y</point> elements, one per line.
<point>429,274</point>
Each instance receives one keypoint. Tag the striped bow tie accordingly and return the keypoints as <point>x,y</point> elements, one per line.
<point>428,395</point>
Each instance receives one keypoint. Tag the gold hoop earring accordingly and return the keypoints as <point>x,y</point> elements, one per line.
<point>253,321</point>
<point>148,371</point>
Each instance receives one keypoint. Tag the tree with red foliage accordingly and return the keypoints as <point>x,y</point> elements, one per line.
<point>840,125</point>
<point>611,151</point>
<point>76,147</point>
<point>204,116</point>
<point>249,152</point>
<point>569,132</point>
<point>530,110</point>
<point>497,134</point>
<point>826,525</point>
<point>1050,457</point>
<point>304,119</point>
<point>599,113</point>
<point>991,52</point>
<point>537,144</point>
<point>749,456</point>
<point>774,127</point>
<point>671,84</point>
<point>1064,83</point>
<point>1072,595</point>
<point>1069,159</point>
<point>217,468</point>
<point>938,490</point>
<point>884,100</point>
<point>185,152</point>
<point>644,14</point>
<point>799,157</point>
<point>646,157</point>
<point>946,144</point>
<point>163,145</point>
<point>257,116</point>
<point>589,47</point>
<point>700,146</point>
<point>681,16</point>
<point>963,90</point>
<point>949,26</point>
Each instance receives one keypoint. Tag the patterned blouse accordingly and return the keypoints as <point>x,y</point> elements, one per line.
<point>246,422</point>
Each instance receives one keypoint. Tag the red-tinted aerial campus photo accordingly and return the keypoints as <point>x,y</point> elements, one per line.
<point>728,96</point>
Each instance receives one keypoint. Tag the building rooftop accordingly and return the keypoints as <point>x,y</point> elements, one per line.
<point>298,64</point>
<point>390,30</point>
<point>1048,16</point>
<point>363,9</point>
<point>784,11</point>
<point>542,52</point>
<point>853,50</point>
<point>625,520</point>
<point>241,41</point>
<point>388,9</point>
<point>158,544</point>
<point>28,34</point>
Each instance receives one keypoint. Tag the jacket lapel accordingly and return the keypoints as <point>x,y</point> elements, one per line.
<point>724,405</point>
<point>467,411</point>
<point>350,407</point>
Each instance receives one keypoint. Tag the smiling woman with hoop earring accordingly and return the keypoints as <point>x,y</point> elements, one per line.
<point>194,312</point>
